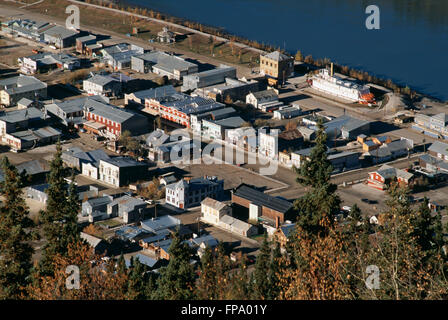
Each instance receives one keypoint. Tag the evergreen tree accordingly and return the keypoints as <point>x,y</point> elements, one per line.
<point>262,266</point>
<point>274,273</point>
<point>71,230</point>
<point>177,279</point>
<point>136,282</point>
<point>321,202</point>
<point>241,286</point>
<point>206,287</point>
<point>15,251</point>
<point>59,218</point>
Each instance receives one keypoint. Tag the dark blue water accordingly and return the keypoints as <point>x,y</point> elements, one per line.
<point>411,48</point>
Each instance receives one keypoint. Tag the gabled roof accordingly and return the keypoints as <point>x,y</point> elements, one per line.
<point>212,203</point>
<point>144,259</point>
<point>91,240</point>
<point>33,167</point>
<point>388,172</point>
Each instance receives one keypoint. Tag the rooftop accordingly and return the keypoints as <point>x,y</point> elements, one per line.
<point>160,223</point>
<point>277,56</point>
<point>262,199</point>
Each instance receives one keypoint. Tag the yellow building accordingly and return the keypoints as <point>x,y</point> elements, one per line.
<point>277,67</point>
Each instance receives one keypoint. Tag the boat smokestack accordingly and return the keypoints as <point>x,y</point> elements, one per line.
<point>332,70</point>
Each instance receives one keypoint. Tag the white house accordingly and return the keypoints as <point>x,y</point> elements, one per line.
<point>213,210</point>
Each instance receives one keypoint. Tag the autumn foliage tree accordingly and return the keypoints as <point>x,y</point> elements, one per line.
<point>99,279</point>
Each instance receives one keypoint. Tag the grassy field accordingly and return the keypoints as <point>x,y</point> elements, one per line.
<point>123,24</point>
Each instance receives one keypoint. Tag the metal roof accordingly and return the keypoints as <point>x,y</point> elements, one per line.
<point>262,199</point>
<point>109,111</point>
<point>212,203</point>
<point>160,223</point>
<point>155,92</point>
<point>439,147</point>
<point>21,84</point>
<point>60,32</point>
<point>21,115</point>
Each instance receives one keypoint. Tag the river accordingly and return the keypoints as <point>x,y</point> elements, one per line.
<point>410,47</point>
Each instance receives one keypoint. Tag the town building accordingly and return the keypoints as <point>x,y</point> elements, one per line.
<point>142,99</point>
<point>96,208</point>
<point>85,161</point>
<point>106,119</point>
<point>83,42</point>
<point>108,85</point>
<point>220,214</point>
<point>15,88</point>
<point>180,107</point>
<point>347,127</point>
<point>121,171</point>
<point>60,37</point>
<point>277,67</point>
<point>37,192</point>
<point>208,78</point>
<point>128,208</point>
<point>217,129</point>
<point>26,28</point>
<point>131,233</point>
<point>46,61</point>
<point>381,178</point>
<point>391,151</point>
<point>231,90</point>
<point>435,126</point>
<point>189,193</point>
<point>30,138</point>
<point>244,138</point>
<point>22,119</point>
<point>69,112</point>
<point>119,56</point>
<point>287,112</point>
<point>262,207</point>
<point>215,115</point>
<point>283,233</point>
<point>436,161</point>
<point>166,36</point>
<point>25,103</point>
<point>156,225</point>
<point>213,210</point>
<point>266,100</point>
<point>340,161</point>
<point>99,245</point>
<point>163,64</point>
